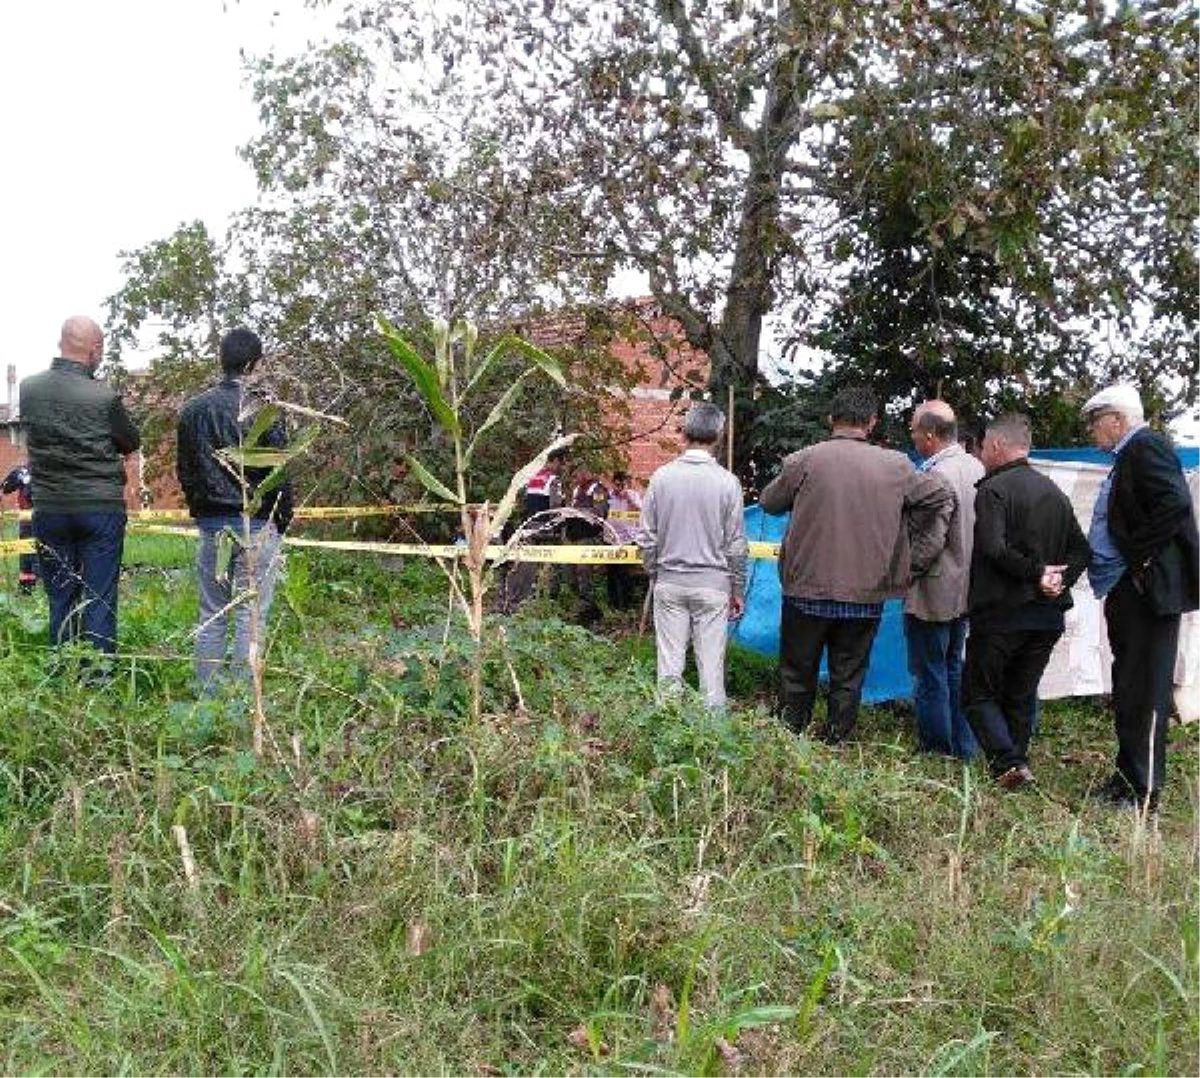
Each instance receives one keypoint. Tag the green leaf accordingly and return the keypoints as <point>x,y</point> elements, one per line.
<point>273,479</point>
<point>225,543</point>
<point>298,445</point>
<point>441,350</point>
<point>423,375</point>
<point>497,413</point>
<point>758,1016</point>
<point>303,439</point>
<point>510,342</point>
<point>431,483</point>
<point>255,458</point>
<point>263,422</point>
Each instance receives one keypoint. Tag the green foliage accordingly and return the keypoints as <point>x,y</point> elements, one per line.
<point>586,881</point>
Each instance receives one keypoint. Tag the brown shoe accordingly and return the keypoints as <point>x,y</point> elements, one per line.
<point>1014,778</point>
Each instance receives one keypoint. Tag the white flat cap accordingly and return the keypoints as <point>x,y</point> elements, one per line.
<point>1119,398</point>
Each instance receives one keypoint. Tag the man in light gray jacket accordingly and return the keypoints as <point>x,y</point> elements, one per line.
<point>693,542</point>
<point>935,612</point>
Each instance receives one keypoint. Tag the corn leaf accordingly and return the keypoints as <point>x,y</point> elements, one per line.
<point>543,360</point>
<point>303,439</point>
<point>263,422</point>
<point>510,342</point>
<point>272,480</point>
<point>431,483</point>
<point>517,483</point>
<point>423,375</point>
<point>226,541</point>
<point>255,458</point>
<point>497,413</point>
<point>441,350</point>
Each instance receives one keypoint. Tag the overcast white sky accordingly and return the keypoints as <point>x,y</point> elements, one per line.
<point>124,118</point>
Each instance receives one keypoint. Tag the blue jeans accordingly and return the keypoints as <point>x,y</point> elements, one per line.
<point>80,555</point>
<point>935,660</point>
<point>241,594</point>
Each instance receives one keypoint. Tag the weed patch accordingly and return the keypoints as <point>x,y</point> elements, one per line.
<point>583,881</point>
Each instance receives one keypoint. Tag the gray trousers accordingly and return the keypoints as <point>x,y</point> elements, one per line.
<point>700,615</point>
<point>241,594</point>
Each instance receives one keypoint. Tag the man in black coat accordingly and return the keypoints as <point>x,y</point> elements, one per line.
<point>229,512</point>
<point>1144,567</point>
<point>1028,552</point>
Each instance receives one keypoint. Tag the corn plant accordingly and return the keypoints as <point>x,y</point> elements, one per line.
<point>253,454</point>
<point>447,386</point>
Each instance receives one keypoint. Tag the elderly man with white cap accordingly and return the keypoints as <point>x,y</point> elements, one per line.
<point>1144,566</point>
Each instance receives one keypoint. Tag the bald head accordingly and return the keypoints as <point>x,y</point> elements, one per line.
<point>933,427</point>
<point>81,341</point>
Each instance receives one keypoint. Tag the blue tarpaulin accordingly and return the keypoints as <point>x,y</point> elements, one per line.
<point>887,676</point>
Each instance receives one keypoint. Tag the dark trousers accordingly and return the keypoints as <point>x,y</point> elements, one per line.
<point>1000,685</point>
<point>619,582</point>
<point>1143,646</point>
<point>935,661</point>
<point>81,560</point>
<point>802,639</point>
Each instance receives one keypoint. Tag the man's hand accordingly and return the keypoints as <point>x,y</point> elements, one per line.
<point>1051,582</point>
<point>737,607</point>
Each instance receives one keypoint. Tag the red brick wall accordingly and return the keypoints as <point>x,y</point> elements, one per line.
<point>664,362</point>
<point>661,360</point>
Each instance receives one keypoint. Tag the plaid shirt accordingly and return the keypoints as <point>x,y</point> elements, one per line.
<point>834,608</point>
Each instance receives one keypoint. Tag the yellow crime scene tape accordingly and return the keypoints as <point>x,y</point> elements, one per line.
<point>565,554</point>
<point>532,552</point>
<point>309,512</point>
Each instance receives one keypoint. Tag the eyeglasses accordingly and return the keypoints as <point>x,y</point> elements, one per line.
<point>1095,417</point>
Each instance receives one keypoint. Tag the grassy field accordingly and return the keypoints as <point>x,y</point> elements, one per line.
<point>583,883</point>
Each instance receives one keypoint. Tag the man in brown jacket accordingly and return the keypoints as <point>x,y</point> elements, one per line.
<point>863,523</point>
<point>935,612</point>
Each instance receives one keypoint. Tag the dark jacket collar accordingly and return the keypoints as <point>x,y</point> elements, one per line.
<point>61,363</point>
<point>1020,462</point>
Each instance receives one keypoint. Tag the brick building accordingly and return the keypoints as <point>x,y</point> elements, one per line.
<point>645,342</point>
<point>666,370</point>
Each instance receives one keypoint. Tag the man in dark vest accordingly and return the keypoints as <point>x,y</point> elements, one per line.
<point>78,434</point>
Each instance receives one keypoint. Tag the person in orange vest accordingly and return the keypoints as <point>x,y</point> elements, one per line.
<point>19,482</point>
<point>544,491</point>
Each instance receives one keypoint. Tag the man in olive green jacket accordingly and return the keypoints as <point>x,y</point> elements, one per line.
<point>78,432</point>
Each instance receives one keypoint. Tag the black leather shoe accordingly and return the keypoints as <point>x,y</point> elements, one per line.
<point>1117,793</point>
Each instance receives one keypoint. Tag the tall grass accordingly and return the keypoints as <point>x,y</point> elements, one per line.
<point>588,883</point>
